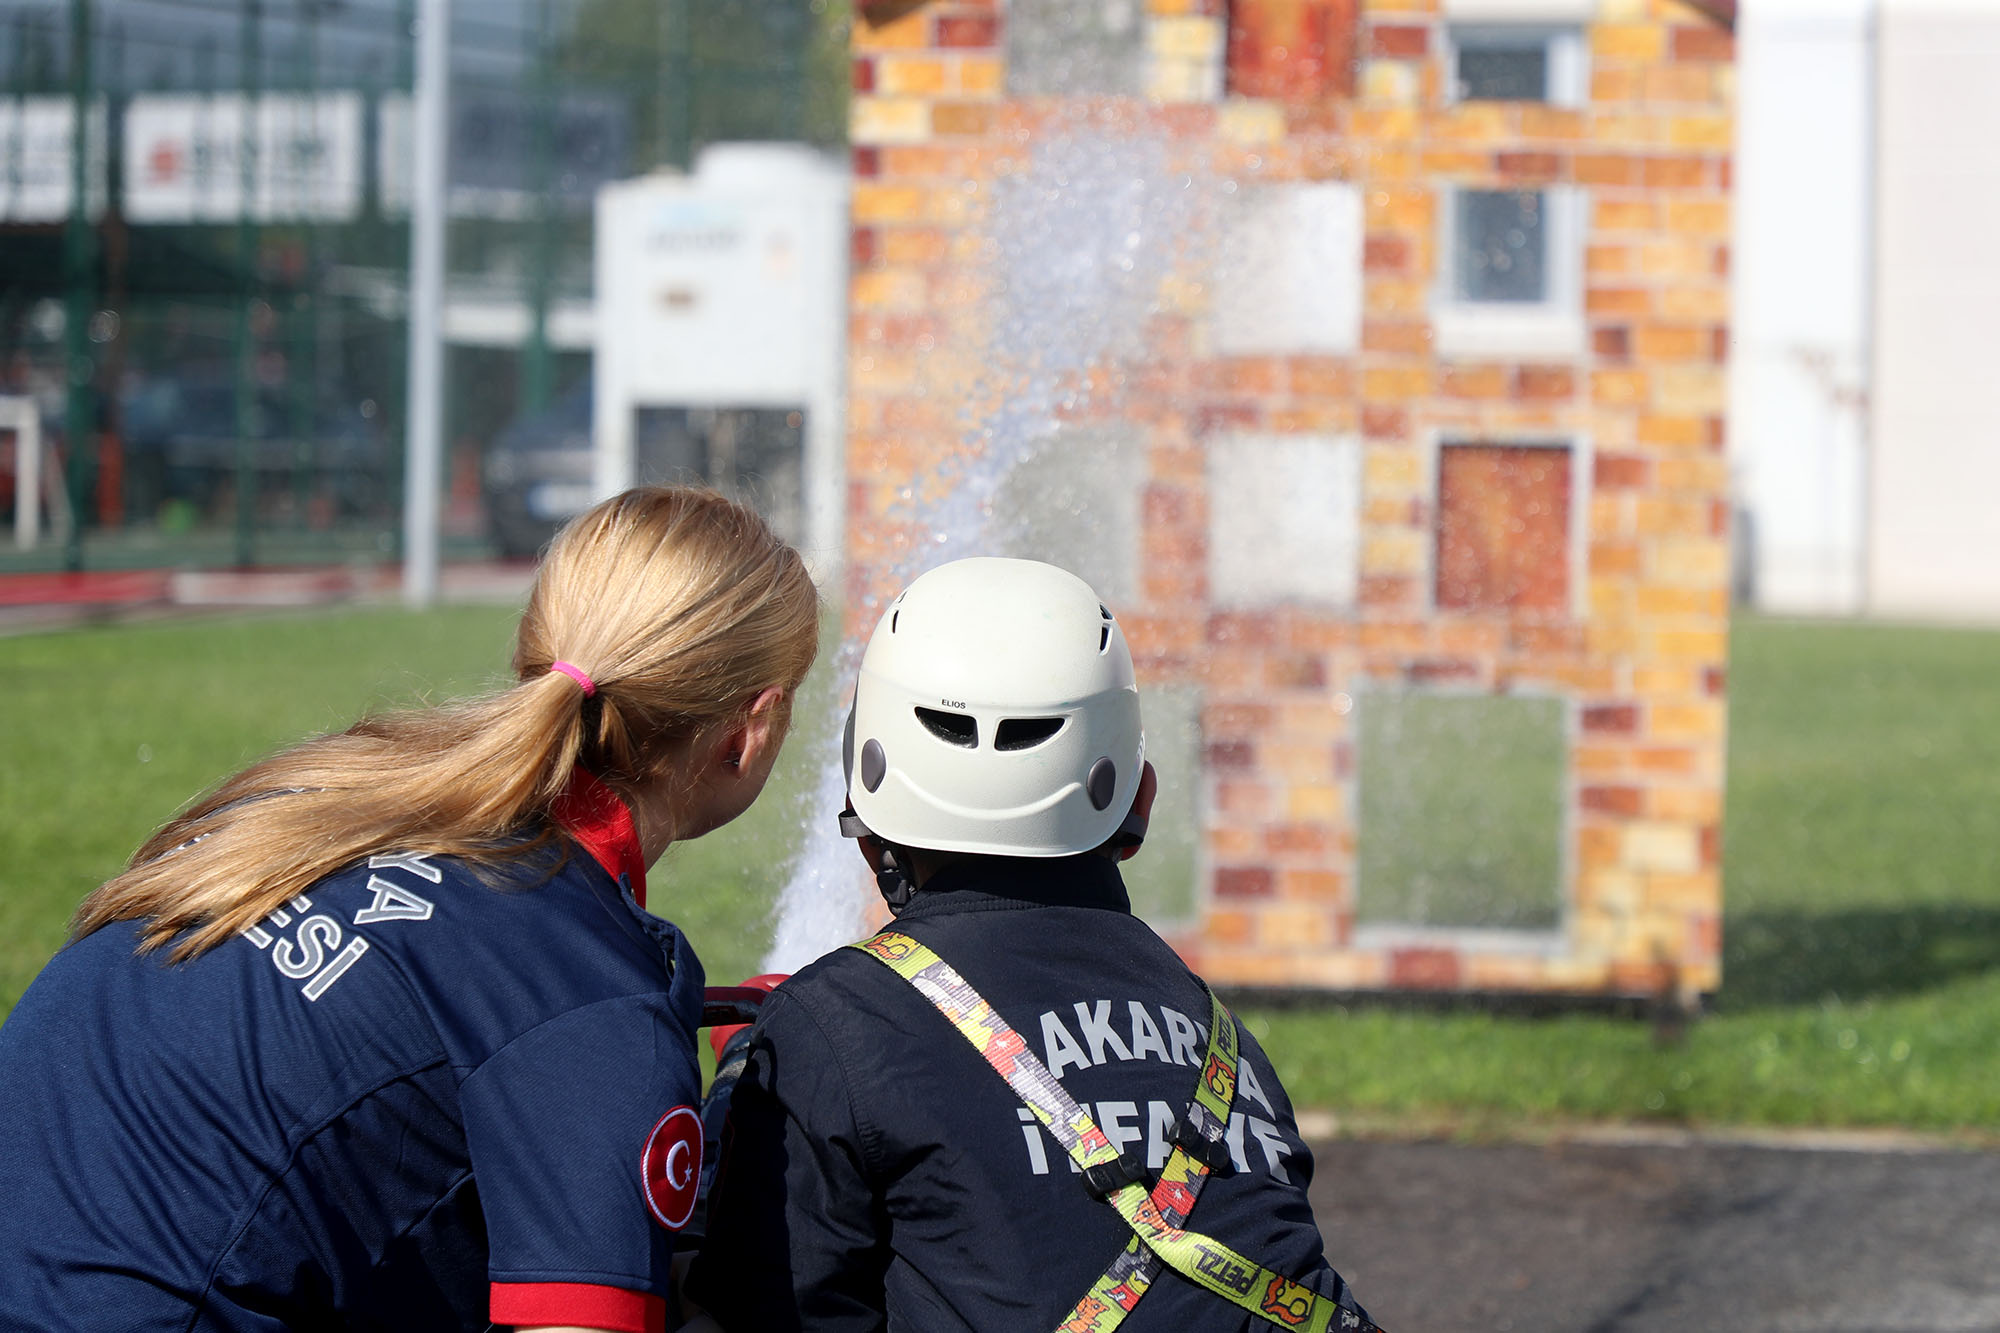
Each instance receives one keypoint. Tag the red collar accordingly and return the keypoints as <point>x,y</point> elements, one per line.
<point>592,813</point>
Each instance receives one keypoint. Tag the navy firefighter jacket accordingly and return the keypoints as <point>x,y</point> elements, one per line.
<point>411,1099</point>
<point>878,1173</point>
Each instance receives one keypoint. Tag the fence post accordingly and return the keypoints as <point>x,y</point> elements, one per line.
<point>250,78</point>
<point>79,371</point>
<point>20,415</point>
<point>422,487</point>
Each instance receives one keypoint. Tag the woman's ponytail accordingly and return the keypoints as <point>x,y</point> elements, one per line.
<point>675,605</point>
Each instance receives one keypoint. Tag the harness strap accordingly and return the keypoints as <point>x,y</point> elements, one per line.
<point>1155,1216</point>
<point>1198,1148</point>
<point>1110,1298</point>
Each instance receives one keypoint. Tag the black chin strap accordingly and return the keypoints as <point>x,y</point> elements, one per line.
<point>894,882</point>
<point>893,879</point>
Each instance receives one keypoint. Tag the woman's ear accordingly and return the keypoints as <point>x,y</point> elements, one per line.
<point>755,738</point>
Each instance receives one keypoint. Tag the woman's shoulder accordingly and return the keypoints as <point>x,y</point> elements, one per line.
<point>540,895</point>
<point>493,948</point>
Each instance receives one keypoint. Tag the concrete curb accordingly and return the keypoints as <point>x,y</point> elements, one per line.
<point>1324,1124</point>
<point>30,602</point>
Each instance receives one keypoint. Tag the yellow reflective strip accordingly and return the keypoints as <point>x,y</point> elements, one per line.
<point>1216,1267</point>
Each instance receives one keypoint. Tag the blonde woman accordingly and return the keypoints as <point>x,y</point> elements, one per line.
<point>377,1033</point>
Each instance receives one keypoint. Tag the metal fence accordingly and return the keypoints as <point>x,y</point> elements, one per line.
<point>204,293</point>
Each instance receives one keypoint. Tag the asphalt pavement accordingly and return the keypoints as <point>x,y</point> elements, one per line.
<point>1634,1238</point>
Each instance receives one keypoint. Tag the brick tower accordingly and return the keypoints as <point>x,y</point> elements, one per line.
<point>1419,451</point>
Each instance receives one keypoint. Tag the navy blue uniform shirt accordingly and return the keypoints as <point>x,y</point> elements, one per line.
<point>878,1173</point>
<point>412,1099</point>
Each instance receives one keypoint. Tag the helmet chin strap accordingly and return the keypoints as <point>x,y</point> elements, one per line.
<point>894,882</point>
<point>893,879</point>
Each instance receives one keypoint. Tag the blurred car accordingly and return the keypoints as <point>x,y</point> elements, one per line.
<point>181,446</point>
<point>536,474</point>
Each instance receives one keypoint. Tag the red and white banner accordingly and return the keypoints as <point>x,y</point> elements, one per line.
<point>36,166</point>
<point>184,157</point>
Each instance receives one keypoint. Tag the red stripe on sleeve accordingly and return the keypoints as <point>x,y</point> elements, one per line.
<point>577,1304</point>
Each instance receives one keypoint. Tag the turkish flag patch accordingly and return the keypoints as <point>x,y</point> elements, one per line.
<point>671,1167</point>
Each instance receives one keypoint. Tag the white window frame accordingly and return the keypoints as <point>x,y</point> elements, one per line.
<point>1516,330</point>
<point>1575,12</point>
<point>1582,485</point>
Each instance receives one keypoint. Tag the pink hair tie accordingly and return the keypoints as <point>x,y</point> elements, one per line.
<point>576,674</point>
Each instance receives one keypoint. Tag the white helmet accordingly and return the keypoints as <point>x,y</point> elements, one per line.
<point>996,712</point>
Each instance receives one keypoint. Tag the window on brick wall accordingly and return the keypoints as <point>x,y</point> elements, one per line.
<point>1295,50</point>
<point>1075,502</point>
<point>1501,246</point>
<point>1515,63</point>
<point>1288,271</point>
<point>1059,46</point>
<point>1506,528</point>
<point>1162,882</point>
<point>1283,520</point>
<point>1462,802</point>
<point>1511,272</point>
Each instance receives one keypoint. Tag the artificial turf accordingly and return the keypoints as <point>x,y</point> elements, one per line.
<point>1861,863</point>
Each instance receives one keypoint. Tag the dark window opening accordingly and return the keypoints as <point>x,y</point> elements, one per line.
<point>1502,246</point>
<point>752,454</point>
<point>1503,73</point>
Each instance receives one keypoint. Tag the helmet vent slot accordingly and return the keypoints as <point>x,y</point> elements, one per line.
<point>1025,733</point>
<point>1104,637</point>
<point>951,728</point>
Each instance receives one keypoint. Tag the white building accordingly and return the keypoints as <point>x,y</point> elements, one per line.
<point>1865,415</point>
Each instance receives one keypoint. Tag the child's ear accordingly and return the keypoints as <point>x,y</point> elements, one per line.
<point>1142,805</point>
<point>871,852</point>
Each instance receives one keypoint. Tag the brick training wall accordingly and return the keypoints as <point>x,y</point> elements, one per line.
<point>1630,632</point>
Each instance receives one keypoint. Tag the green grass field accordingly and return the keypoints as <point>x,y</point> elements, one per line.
<point>106,731</point>
<point>1862,864</point>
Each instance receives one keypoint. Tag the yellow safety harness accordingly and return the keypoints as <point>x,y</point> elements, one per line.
<point>1158,1215</point>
